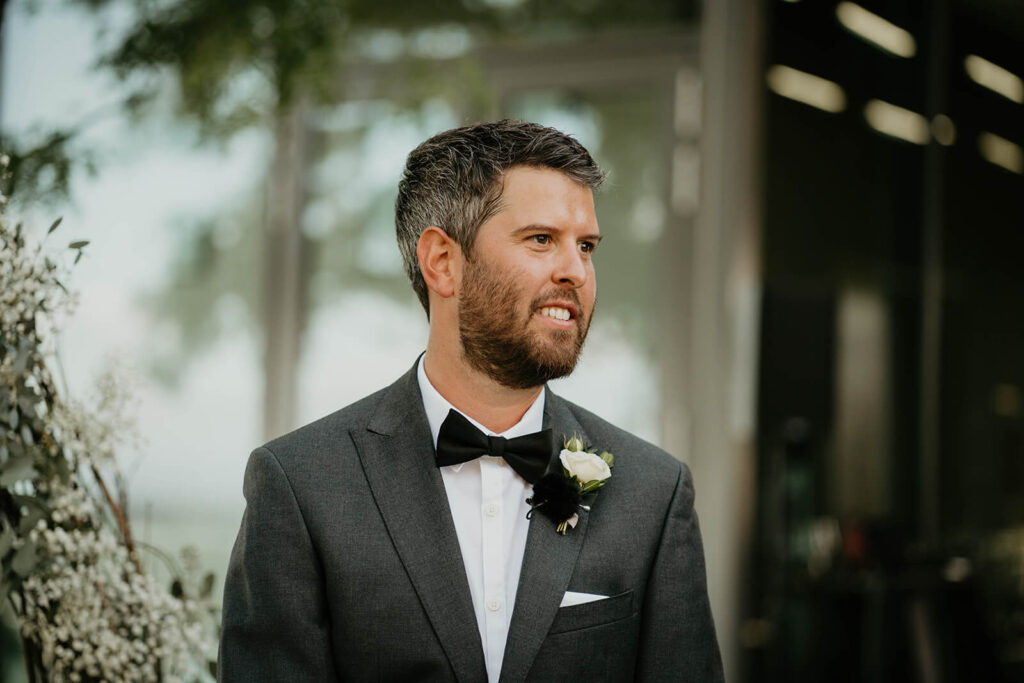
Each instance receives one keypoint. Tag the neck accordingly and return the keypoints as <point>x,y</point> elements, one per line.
<point>473,393</point>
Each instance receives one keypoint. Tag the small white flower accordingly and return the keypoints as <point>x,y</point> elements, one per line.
<point>586,467</point>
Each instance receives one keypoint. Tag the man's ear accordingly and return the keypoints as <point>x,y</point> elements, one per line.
<point>438,255</point>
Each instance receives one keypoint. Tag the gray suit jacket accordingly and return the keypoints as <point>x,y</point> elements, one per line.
<point>347,565</point>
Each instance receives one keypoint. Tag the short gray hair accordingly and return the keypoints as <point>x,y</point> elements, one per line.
<point>453,181</point>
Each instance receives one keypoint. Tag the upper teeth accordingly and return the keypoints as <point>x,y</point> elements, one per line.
<point>553,312</point>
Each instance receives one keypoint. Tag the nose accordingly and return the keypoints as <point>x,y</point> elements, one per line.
<point>571,268</point>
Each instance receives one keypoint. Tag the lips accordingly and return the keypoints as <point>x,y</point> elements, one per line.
<point>558,310</point>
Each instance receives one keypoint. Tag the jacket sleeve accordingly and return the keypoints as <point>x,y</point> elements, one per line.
<point>275,622</point>
<point>677,633</point>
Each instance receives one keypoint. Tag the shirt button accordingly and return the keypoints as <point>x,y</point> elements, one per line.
<point>494,604</point>
<point>491,509</point>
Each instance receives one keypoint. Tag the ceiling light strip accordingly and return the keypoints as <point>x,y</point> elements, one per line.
<point>803,87</point>
<point>876,30</point>
<point>995,77</point>
<point>1001,152</point>
<point>897,122</point>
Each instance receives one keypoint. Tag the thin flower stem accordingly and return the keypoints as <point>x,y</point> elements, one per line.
<point>30,666</point>
<point>168,561</point>
<point>122,522</point>
<point>28,651</point>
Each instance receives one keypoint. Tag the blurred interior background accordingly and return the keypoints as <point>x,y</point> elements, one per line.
<point>811,287</point>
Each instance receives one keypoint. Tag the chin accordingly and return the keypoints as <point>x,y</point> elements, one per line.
<point>556,363</point>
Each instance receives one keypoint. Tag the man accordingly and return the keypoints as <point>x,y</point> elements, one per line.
<point>377,546</point>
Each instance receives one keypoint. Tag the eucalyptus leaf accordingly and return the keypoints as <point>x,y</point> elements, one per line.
<point>207,588</point>
<point>26,392</point>
<point>78,244</point>
<point>55,225</point>
<point>17,469</point>
<point>32,502</point>
<point>21,361</point>
<point>608,458</point>
<point>28,406</point>
<point>26,435</point>
<point>12,418</point>
<point>25,559</point>
<point>46,656</point>
<point>6,540</point>
<point>30,520</point>
<point>63,469</point>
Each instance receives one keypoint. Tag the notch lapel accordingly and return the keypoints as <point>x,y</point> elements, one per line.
<point>397,454</point>
<point>548,563</point>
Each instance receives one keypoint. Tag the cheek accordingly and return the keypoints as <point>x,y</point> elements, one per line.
<point>590,289</point>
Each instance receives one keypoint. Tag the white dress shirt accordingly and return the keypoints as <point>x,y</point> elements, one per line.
<point>488,503</point>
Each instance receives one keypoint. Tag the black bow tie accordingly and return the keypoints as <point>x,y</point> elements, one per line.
<point>459,441</point>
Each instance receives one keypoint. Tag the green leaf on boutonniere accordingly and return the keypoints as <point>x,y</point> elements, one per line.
<point>608,458</point>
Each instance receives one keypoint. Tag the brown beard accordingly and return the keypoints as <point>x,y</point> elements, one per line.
<point>494,334</point>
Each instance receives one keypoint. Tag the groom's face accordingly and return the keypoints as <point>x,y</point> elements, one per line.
<point>528,292</point>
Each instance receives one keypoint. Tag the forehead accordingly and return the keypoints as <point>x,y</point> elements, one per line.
<point>545,196</point>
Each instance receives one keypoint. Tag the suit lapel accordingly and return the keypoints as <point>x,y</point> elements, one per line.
<point>398,458</point>
<point>548,564</point>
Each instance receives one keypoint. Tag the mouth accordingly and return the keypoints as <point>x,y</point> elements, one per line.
<point>561,314</point>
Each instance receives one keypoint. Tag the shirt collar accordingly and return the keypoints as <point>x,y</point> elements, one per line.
<point>437,407</point>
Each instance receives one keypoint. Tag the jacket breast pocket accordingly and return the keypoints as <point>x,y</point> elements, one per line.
<point>596,613</point>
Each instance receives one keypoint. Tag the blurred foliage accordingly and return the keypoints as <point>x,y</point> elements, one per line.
<point>215,288</point>
<point>236,64</point>
<point>69,568</point>
<point>238,61</point>
<point>39,173</point>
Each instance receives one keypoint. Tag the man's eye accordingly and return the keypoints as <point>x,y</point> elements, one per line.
<point>541,239</point>
<point>587,247</point>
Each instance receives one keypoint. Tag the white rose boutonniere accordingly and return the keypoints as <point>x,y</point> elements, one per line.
<point>559,496</point>
<point>586,467</point>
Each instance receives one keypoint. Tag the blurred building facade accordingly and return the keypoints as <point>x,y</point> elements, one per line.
<point>890,428</point>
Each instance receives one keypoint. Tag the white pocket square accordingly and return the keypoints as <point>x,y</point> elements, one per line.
<point>573,598</point>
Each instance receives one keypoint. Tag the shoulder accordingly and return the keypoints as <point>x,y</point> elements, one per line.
<point>331,435</point>
<point>327,429</point>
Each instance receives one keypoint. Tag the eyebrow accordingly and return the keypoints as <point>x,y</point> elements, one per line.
<point>541,227</point>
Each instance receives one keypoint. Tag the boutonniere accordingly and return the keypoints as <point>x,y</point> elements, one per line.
<point>558,496</point>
